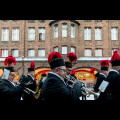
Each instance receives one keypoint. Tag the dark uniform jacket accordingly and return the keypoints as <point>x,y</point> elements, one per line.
<point>100,78</point>
<point>55,90</point>
<point>9,92</point>
<point>32,86</point>
<point>113,89</point>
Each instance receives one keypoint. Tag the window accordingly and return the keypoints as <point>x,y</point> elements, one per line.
<point>87,33</point>
<point>98,52</point>
<point>98,34</point>
<point>31,53</point>
<point>56,31</point>
<point>56,49</point>
<point>87,20</point>
<point>73,49</point>
<point>88,52</point>
<point>98,20</point>
<point>64,50</point>
<point>4,53</point>
<point>5,34</point>
<point>15,34</point>
<point>31,21</point>
<point>72,31</point>
<point>113,49</point>
<point>64,30</point>
<point>31,34</point>
<point>41,53</point>
<point>41,33</point>
<point>114,33</point>
<point>15,53</point>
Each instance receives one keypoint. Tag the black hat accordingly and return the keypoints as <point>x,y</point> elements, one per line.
<point>32,66</point>
<point>11,69</point>
<point>55,60</point>
<point>115,60</point>
<point>68,64</point>
<point>104,65</point>
<point>44,74</point>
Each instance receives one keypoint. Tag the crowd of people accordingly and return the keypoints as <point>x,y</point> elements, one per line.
<point>61,84</point>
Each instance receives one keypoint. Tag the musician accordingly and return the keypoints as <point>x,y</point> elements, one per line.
<point>8,90</point>
<point>32,85</point>
<point>54,88</point>
<point>100,77</point>
<point>113,89</point>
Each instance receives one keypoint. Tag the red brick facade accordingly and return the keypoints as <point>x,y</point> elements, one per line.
<point>106,44</point>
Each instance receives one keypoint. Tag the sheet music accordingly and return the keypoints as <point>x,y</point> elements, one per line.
<point>103,86</point>
<point>5,74</point>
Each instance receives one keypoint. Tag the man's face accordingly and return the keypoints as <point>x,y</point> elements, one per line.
<point>11,76</point>
<point>68,71</point>
<point>32,73</point>
<point>61,71</point>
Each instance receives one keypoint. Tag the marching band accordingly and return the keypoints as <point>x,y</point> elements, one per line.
<point>61,84</point>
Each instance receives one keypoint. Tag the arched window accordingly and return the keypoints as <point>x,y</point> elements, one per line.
<point>56,31</point>
<point>72,31</point>
<point>64,30</point>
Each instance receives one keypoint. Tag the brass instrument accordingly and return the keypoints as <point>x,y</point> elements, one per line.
<point>38,89</point>
<point>85,91</point>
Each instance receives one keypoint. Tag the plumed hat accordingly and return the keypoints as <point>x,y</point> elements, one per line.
<point>115,60</point>
<point>44,74</point>
<point>32,66</point>
<point>55,60</point>
<point>8,61</point>
<point>72,58</point>
<point>104,65</point>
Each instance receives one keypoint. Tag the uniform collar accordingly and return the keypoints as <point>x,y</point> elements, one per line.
<point>103,74</point>
<point>114,70</point>
<point>58,76</point>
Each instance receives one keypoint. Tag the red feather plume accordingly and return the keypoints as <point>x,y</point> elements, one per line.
<point>54,55</point>
<point>43,72</point>
<point>9,60</point>
<point>73,72</point>
<point>72,57</point>
<point>104,63</point>
<point>92,70</point>
<point>115,56</point>
<point>32,64</point>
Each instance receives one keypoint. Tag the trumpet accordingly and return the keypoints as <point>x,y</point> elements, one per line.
<point>27,90</point>
<point>85,90</point>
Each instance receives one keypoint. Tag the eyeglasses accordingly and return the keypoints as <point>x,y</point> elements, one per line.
<point>12,75</point>
<point>62,69</point>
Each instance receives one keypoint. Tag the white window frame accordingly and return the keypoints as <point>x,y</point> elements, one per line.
<point>31,32</point>
<point>42,32</point>
<point>31,53</point>
<point>98,33</point>
<point>114,33</point>
<point>56,49</point>
<point>15,52</point>
<point>72,31</point>
<point>4,53</point>
<point>64,30</point>
<point>5,34</point>
<point>42,51</point>
<point>87,33</point>
<point>88,52</point>
<point>97,54</point>
<point>56,31</point>
<point>72,49</point>
<point>15,34</point>
<point>64,50</point>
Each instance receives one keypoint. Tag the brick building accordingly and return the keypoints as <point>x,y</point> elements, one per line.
<point>28,40</point>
